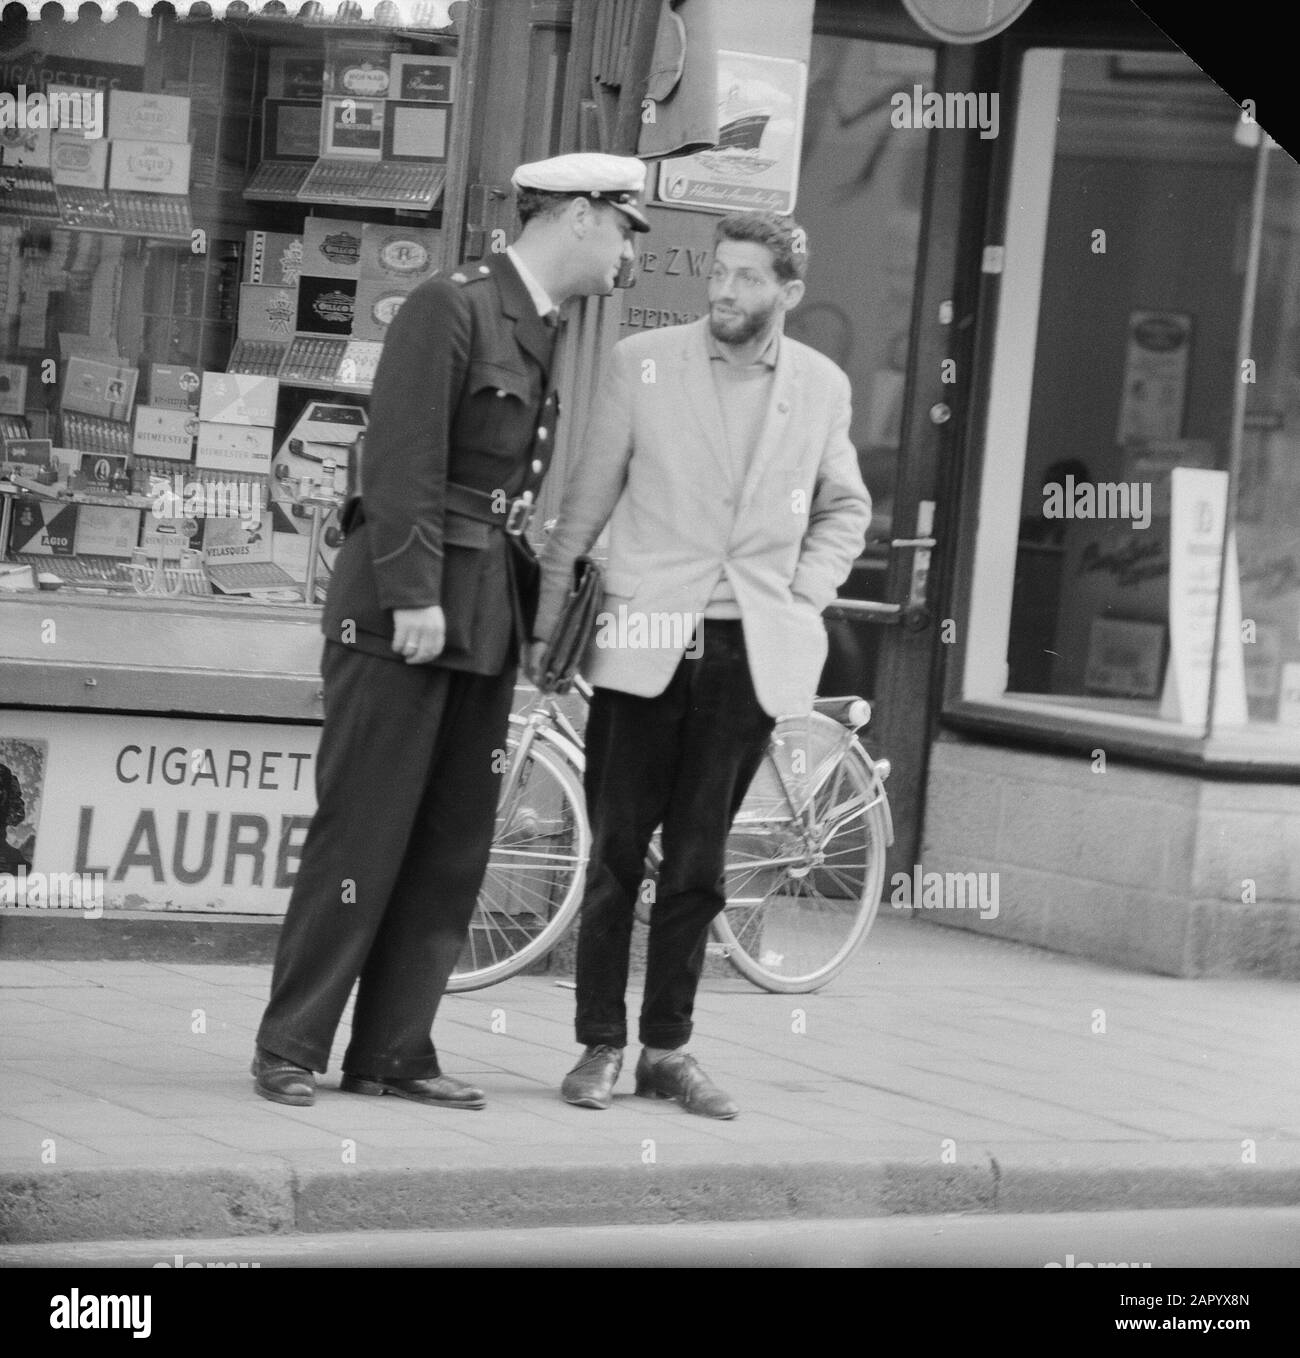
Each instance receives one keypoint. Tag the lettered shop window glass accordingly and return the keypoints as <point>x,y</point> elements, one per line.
<point>1127,440</point>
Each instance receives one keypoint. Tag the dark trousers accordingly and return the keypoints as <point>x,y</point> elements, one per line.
<point>683,760</point>
<point>407,780</point>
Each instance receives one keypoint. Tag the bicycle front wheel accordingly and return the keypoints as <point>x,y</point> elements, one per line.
<point>533,885</point>
<point>795,916</point>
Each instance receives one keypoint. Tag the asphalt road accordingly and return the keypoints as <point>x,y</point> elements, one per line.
<point>1190,1238</point>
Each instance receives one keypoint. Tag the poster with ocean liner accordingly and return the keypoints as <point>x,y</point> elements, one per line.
<point>755,164</point>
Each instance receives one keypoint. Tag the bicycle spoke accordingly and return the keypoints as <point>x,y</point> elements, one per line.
<point>532,884</point>
<point>794,928</point>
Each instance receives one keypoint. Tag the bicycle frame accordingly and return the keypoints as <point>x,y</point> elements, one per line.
<point>544,718</point>
<point>801,801</point>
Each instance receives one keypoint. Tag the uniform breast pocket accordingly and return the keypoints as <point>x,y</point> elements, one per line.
<point>498,417</point>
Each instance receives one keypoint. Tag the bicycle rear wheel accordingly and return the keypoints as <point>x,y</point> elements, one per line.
<point>533,885</point>
<point>795,915</point>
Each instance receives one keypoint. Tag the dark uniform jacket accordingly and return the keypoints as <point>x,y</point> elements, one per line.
<point>462,420</point>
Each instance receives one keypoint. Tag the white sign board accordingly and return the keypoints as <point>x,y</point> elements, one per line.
<point>1198,508</point>
<point>175,814</point>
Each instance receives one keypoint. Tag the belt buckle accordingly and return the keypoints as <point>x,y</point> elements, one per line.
<point>519,514</point>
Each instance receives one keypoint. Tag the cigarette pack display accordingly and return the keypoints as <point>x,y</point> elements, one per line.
<point>85,207</point>
<point>415,131</point>
<point>148,117</point>
<point>94,388</point>
<point>353,128</point>
<point>95,434</point>
<point>228,540</point>
<point>105,531</point>
<point>235,447</point>
<point>296,73</point>
<point>359,363</point>
<point>429,79</point>
<point>266,312</point>
<point>291,129</point>
<point>326,305</point>
<point>27,457</point>
<point>273,257</point>
<point>96,471</point>
<point>149,167</point>
<point>259,358</point>
<point>173,387</point>
<point>376,305</point>
<point>77,161</point>
<point>191,533</point>
<point>359,66</point>
<point>44,528</point>
<point>237,398</point>
<point>165,433</point>
<point>153,214</point>
<point>30,193</point>
<point>331,247</point>
<point>406,254</point>
<point>313,359</point>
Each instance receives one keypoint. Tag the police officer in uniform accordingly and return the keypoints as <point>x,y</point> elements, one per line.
<point>428,611</point>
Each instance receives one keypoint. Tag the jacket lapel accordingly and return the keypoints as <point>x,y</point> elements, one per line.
<point>531,332</point>
<point>702,398</point>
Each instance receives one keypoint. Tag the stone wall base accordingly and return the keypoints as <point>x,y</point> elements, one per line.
<point>1157,870</point>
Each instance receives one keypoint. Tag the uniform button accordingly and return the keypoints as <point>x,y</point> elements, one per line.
<point>783,407</point>
<point>483,268</point>
<point>543,435</point>
<point>537,464</point>
<point>500,391</point>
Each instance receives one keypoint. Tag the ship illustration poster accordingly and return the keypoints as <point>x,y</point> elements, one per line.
<point>755,163</point>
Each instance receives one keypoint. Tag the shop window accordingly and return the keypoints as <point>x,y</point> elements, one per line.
<point>1139,496</point>
<point>196,284</point>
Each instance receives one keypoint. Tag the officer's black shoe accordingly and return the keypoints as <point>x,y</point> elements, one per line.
<point>440,1089</point>
<point>283,1081</point>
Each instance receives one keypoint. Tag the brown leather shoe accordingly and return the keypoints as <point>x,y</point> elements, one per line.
<point>590,1084</point>
<point>282,1081</point>
<point>679,1077</point>
<point>439,1089</point>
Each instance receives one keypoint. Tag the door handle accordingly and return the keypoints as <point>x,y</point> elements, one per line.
<point>912,542</point>
<point>867,609</point>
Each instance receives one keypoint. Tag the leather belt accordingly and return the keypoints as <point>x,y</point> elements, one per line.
<point>486,507</point>
<point>480,505</point>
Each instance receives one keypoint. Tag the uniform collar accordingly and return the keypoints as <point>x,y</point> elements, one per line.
<point>540,297</point>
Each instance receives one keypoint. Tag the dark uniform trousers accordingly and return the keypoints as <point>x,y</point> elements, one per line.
<point>408,767</point>
<point>683,760</point>
<point>387,884</point>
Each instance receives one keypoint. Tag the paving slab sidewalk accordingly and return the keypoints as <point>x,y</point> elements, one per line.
<point>943,1072</point>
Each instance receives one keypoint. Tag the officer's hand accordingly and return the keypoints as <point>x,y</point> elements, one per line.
<point>533,658</point>
<point>419,634</point>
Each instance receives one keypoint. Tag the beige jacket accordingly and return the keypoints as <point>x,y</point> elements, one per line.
<point>654,466</point>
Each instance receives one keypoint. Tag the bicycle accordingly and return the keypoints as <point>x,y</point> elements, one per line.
<point>805,865</point>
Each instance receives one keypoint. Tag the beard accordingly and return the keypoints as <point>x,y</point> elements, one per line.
<point>742,327</point>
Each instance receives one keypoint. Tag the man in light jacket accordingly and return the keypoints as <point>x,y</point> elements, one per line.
<point>718,453</point>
